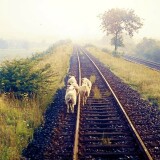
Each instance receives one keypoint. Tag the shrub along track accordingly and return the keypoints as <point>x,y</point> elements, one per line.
<point>104,131</point>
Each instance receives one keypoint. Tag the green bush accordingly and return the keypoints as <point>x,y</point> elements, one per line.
<point>19,78</point>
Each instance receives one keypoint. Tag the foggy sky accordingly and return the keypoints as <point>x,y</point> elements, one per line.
<point>48,20</point>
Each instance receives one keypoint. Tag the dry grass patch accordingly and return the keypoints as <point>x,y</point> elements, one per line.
<point>97,93</point>
<point>92,79</point>
<point>106,141</point>
<point>108,93</point>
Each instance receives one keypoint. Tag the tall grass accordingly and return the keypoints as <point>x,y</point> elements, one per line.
<point>146,81</point>
<point>18,119</point>
<point>16,126</point>
<point>59,61</point>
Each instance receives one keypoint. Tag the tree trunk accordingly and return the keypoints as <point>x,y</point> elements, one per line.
<point>115,49</point>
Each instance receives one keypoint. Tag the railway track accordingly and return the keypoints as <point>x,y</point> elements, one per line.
<point>150,64</point>
<point>104,130</point>
<point>115,124</point>
<point>62,144</point>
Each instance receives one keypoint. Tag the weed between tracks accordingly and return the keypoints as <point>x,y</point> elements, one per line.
<point>18,119</point>
<point>97,93</point>
<point>146,81</point>
<point>108,93</point>
<point>106,141</point>
<point>92,78</point>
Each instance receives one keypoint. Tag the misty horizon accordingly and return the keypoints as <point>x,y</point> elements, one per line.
<point>34,25</point>
<point>52,20</point>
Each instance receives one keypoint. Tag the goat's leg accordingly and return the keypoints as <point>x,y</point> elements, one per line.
<point>72,108</point>
<point>67,108</point>
<point>85,99</point>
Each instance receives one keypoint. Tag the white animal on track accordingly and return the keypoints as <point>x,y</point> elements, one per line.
<point>71,80</point>
<point>84,91</point>
<point>87,81</point>
<point>70,98</point>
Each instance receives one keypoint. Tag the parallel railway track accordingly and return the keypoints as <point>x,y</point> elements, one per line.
<point>117,125</point>
<point>150,64</point>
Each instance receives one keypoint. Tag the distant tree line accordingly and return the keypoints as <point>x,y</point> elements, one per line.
<point>24,44</point>
<point>148,49</point>
<point>3,44</point>
<point>7,44</point>
<point>21,44</point>
<point>51,48</point>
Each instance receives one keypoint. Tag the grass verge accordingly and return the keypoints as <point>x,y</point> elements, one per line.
<point>146,81</point>
<point>18,119</point>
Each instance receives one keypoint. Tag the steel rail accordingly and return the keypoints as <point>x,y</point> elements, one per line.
<point>148,155</point>
<point>147,61</point>
<point>76,142</point>
<point>155,66</point>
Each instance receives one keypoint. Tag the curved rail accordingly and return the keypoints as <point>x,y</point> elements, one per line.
<point>148,155</point>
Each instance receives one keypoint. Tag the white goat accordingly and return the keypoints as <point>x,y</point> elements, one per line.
<point>71,80</point>
<point>75,85</point>
<point>86,80</point>
<point>84,91</point>
<point>70,98</point>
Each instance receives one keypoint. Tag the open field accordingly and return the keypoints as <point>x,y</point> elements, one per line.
<point>146,81</point>
<point>16,53</point>
<point>18,119</point>
<point>6,54</point>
